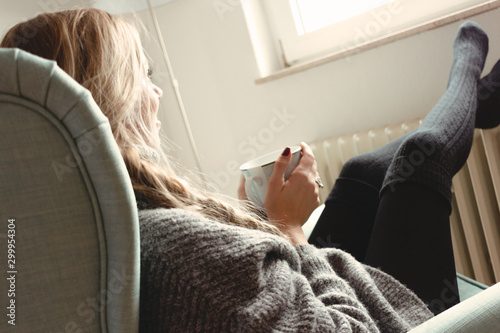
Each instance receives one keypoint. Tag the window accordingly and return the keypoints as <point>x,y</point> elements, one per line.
<point>312,15</point>
<point>303,30</point>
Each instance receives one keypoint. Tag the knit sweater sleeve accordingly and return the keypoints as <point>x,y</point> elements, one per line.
<point>199,275</point>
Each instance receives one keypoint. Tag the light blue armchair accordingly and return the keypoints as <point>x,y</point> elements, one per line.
<point>65,192</point>
<point>67,202</point>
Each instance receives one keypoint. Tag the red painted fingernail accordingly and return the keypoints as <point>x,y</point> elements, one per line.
<point>286,152</point>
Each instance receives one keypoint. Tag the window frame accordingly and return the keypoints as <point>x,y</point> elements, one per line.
<point>370,26</point>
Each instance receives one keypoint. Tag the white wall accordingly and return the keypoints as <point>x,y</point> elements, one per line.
<point>234,119</point>
<point>12,12</point>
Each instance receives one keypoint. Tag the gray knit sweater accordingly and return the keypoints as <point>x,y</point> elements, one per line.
<point>201,275</point>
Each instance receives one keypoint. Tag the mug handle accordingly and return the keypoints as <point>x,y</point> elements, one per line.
<point>249,191</point>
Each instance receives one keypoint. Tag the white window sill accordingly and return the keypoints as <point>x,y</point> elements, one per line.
<point>381,41</point>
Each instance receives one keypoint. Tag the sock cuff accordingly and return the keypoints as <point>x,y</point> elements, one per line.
<point>429,173</point>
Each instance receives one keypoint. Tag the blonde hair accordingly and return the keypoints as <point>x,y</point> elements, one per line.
<point>104,54</point>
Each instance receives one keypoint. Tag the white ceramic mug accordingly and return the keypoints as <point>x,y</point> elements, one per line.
<point>258,171</point>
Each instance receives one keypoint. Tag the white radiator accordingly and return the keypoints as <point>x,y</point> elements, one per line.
<point>475,220</point>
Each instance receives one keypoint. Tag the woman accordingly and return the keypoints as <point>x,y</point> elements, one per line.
<point>212,264</point>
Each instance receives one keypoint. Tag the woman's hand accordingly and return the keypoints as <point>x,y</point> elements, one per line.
<point>291,202</point>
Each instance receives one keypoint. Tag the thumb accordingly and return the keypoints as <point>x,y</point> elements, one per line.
<point>277,178</point>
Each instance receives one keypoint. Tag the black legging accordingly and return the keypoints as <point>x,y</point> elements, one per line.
<point>405,232</point>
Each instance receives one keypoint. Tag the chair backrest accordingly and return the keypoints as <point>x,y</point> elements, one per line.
<point>69,226</point>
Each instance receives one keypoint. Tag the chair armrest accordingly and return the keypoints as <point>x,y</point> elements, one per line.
<point>480,313</point>
<point>468,287</point>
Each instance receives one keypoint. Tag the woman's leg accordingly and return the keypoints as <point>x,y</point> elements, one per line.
<point>350,209</point>
<point>411,241</point>
<point>410,238</point>
<point>488,95</point>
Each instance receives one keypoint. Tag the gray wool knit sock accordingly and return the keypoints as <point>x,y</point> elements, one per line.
<point>437,150</point>
<point>488,97</point>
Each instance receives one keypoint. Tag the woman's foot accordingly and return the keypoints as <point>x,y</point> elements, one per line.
<point>488,99</point>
